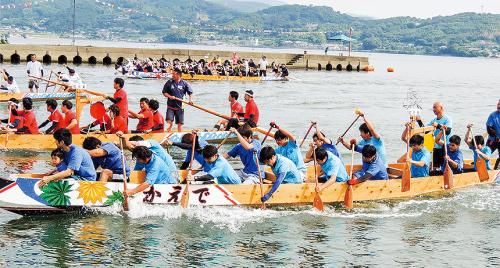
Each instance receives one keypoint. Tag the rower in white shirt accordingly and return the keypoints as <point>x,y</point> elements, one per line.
<point>34,68</point>
<point>72,80</point>
<point>10,85</point>
<point>263,66</point>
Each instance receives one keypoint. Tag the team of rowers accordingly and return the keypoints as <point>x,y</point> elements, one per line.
<point>229,67</point>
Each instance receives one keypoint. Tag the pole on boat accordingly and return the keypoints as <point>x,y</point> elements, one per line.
<point>359,113</point>
<point>447,173</point>
<point>482,170</point>
<point>406,178</point>
<point>185,194</point>
<point>124,170</point>
<point>307,133</point>
<point>224,140</point>
<point>317,202</point>
<point>47,85</point>
<point>267,135</point>
<point>203,108</point>
<point>263,205</point>
<point>348,198</point>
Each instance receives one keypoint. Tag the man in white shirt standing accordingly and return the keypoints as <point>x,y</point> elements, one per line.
<point>263,66</point>
<point>10,86</point>
<point>34,68</point>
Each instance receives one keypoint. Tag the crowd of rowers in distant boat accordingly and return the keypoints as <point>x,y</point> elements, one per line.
<point>229,67</point>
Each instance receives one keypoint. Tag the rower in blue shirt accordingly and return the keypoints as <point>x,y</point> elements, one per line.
<point>320,140</point>
<point>107,156</point>
<point>245,150</point>
<point>493,129</point>
<point>217,168</point>
<point>369,137</point>
<point>332,168</point>
<point>155,168</point>
<point>420,157</point>
<point>185,144</point>
<point>287,147</point>
<point>283,168</point>
<point>454,157</point>
<point>78,161</point>
<point>482,151</point>
<point>373,168</point>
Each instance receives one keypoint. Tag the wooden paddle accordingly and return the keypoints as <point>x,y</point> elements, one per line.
<point>7,129</point>
<point>359,113</point>
<point>406,179</point>
<point>267,135</point>
<point>47,85</point>
<point>224,140</point>
<point>447,173</point>
<point>204,109</point>
<point>482,170</point>
<point>263,205</point>
<point>185,194</point>
<point>317,202</point>
<point>124,170</point>
<point>348,197</point>
<point>307,133</point>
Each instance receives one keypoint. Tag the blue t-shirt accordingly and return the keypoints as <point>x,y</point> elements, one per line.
<point>61,167</point>
<point>458,157</point>
<point>156,171</point>
<point>156,147</point>
<point>222,171</point>
<point>112,161</point>
<point>247,156</point>
<point>291,151</point>
<point>79,160</point>
<point>377,143</point>
<point>285,165</point>
<point>487,151</point>
<point>422,155</point>
<point>446,121</point>
<point>376,168</point>
<point>334,167</point>
<point>197,156</point>
<point>333,149</point>
<point>494,122</point>
<point>178,90</point>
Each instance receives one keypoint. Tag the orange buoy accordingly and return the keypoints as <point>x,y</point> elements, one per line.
<point>368,68</point>
<point>390,69</point>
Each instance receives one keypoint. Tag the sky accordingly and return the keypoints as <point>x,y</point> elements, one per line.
<point>415,8</point>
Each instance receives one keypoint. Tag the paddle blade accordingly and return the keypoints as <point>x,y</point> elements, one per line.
<point>97,110</point>
<point>317,202</point>
<point>448,177</point>
<point>348,200</point>
<point>263,206</point>
<point>185,197</point>
<point>125,203</point>
<point>482,171</point>
<point>406,179</point>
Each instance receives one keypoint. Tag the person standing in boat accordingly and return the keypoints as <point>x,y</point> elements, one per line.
<point>154,166</point>
<point>145,117</point>
<point>283,168</point>
<point>454,157</point>
<point>321,141</point>
<point>10,85</point>
<point>245,150</point>
<point>482,151</point>
<point>176,88</point>
<point>236,110</point>
<point>107,156</point>
<point>332,167</point>
<point>70,120</point>
<point>373,167</point>
<point>493,129</point>
<point>368,136</point>
<point>78,161</point>
<point>263,66</point>
<point>216,167</point>
<point>55,117</point>
<point>34,68</point>
<point>288,147</point>
<point>120,98</point>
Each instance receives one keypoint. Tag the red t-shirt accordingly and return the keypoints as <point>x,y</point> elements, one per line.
<point>158,120</point>
<point>236,108</point>
<point>29,121</point>
<point>68,117</point>
<point>123,103</point>
<point>251,108</point>
<point>119,124</point>
<point>56,116</point>
<point>146,122</point>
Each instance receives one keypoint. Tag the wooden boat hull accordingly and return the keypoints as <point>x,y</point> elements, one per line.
<point>21,194</point>
<point>46,142</point>
<point>143,75</point>
<point>42,96</point>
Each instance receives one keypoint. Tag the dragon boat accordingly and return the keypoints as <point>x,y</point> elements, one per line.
<point>197,77</point>
<point>20,192</point>
<point>41,96</point>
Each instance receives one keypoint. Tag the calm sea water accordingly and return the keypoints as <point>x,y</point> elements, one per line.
<point>459,229</point>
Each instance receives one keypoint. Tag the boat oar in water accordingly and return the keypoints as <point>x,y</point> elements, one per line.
<point>406,179</point>
<point>263,205</point>
<point>447,173</point>
<point>348,197</point>
<point>358,113</point>
<point>317,202</point>
<point>124,170</point>
<point>482,170</point>
<point>307,133</point>
<point>185,194</point>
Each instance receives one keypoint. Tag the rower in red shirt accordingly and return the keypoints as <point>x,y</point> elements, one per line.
<point>28,123</point>
<point>158,120</point>
<point>236,110</point>
<point>120,98</point>
<point>251,110</point>
<point>118,122</point>
<point>70,121</point>
<point>145,117</point>
<point>55,117</point>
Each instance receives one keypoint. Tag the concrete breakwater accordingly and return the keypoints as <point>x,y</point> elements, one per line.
<point>109,55</point>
